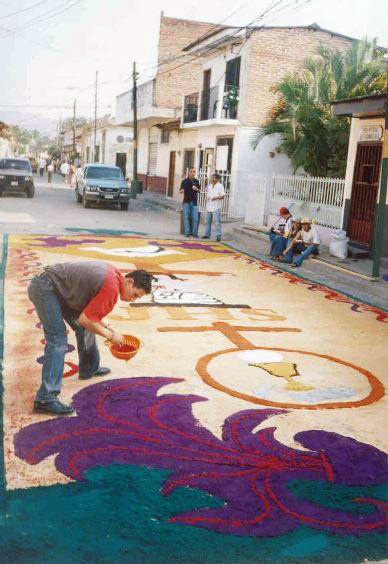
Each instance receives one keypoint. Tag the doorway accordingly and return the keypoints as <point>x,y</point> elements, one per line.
<point>208,160</point>
<point>171,175</point>
<point>205,100</point>
<point>364,194</point>
<point>121,161</point>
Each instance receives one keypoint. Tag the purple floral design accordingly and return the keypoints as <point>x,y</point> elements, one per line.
<point>55,241</point>
<point>125,422</point>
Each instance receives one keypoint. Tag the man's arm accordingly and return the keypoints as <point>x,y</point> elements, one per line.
<point>292,243</point>
<point>99,328</point>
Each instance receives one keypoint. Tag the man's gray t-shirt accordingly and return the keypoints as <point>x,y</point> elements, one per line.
<point>77,283</point>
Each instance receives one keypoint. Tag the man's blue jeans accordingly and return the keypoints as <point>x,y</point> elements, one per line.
<point>278,244</point>
<point>216,215</point>
<point>300,248</point>
<point>190,218</point>
<point>310,250</point>
<point>51,314</point>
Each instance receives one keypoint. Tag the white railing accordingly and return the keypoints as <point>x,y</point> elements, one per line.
<point>204,178</point>
<point>321,199</point>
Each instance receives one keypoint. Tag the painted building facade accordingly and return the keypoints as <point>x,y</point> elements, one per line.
<point>113,144</point>
<point>207,107</point>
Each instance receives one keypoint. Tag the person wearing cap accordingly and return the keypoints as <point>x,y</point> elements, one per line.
<point>280,243</point>
<point>305,242</point>
<point>282,231</point>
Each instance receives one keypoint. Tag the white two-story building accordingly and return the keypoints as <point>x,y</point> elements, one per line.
<point>209,117</point>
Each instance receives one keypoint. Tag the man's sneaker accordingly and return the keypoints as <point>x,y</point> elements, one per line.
<point>102,371</point>
<point>205,237</point>
<point>218,239</point>
<point>55,407</point>
<point>187,236</point>
<point>195,236</point>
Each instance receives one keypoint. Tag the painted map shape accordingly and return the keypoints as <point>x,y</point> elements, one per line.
<point>284,370</point>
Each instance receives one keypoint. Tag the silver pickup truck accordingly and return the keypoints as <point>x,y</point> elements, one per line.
<point>101,184</point>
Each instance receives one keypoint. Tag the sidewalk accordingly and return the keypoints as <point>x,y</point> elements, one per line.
<point>348,276</point>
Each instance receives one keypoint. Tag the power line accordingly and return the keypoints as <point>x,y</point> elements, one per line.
<point>24,9</point>
<point>178,55</point>
<point>52,13</point>
<point>238,30</point>
<point>48,106</point>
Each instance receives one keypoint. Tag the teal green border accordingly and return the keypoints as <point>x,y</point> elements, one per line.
<point>2,279</point>
<point>297,275</point>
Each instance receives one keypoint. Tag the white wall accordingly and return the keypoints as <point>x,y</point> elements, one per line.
<point>248,164</point>
<point>145,99</point>
<point>112,146</point>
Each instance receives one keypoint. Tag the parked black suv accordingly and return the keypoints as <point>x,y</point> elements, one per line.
<point>16,176</point>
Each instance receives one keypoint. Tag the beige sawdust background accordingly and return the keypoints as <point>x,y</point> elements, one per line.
<point>327,327</point>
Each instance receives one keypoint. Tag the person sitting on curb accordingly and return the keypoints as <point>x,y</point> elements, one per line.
<point>280,243</point>
<point>282,230</point>
<point>82,294</point>
<point>214,201</point>
<point>306,242</point>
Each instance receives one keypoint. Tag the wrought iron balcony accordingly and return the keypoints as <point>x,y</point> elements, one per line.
<point>230,102</point>
<point>209,99</point>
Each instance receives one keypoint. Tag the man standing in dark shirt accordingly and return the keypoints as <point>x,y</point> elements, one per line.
<point>81,294</point>
<point>190,188</point>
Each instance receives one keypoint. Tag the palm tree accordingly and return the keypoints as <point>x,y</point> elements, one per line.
<point>310,136</point>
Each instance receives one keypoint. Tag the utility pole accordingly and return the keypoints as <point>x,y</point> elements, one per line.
<point>95,118</point>
<point>379,222</point>
<point>74,118</point>
<point>135,182</point>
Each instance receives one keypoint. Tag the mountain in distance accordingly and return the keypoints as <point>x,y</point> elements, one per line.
<point>44,124</point>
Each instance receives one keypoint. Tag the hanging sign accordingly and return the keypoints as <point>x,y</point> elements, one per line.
<point>371,133</point>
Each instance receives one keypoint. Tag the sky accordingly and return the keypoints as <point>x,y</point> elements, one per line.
<point>51,49</point>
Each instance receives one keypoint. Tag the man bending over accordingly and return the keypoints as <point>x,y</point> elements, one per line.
<point>81,294</point>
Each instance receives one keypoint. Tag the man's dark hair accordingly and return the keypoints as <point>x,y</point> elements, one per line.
<point>141,279</point>
<point>216,176</point>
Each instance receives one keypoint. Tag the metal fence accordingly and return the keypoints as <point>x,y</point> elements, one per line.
<point>321,199</point>
<point>204,179</point>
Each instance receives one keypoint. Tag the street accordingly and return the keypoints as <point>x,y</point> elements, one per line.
<point>54,210</point>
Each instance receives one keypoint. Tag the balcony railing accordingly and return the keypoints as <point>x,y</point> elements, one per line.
<point>230,101</point>
<point>190,108</point>
<point>209,103</point>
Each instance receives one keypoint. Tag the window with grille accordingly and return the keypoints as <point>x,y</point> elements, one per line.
<point>188,160</point>
<point>165,136</point>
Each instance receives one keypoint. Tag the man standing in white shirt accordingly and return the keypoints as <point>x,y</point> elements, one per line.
<point>65,167</point>
<point>214,198</point>
<point>306,242</point>
<point>50,170</point>
<point>42,165</point>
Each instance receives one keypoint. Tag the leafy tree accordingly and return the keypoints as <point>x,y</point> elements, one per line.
<point>5,130</point>
<point>310,135</point>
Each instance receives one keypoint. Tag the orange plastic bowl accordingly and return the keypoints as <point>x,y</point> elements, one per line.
<point>126,351</point>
